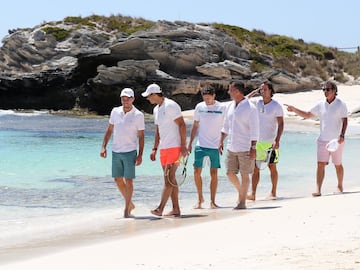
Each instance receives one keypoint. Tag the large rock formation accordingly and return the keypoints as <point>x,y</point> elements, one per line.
<point>91,66</point>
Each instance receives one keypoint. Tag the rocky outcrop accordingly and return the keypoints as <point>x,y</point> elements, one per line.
<point>91,66</point>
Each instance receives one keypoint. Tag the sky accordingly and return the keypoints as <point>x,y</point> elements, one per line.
<point>329,23</point>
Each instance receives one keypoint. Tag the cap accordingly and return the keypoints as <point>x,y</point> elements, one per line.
<point>207,90</point>
<point>151,89</point>
<point>127,92</point>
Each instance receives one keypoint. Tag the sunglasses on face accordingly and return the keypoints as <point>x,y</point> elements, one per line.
<point>327,89</point>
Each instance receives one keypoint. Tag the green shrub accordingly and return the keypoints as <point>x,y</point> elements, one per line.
<point>58,33</point>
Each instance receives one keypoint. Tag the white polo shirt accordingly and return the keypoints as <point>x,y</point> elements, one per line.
<point>211,121</point>
<point>165,116</point>
<point>241,125</point>
<point>330,116</point>
<point>126,127</point>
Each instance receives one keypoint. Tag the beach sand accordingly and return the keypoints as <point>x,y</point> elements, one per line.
<point>297,233</point>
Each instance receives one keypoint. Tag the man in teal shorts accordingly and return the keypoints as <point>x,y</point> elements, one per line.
<point>208,121</point>
<point>126,125</point>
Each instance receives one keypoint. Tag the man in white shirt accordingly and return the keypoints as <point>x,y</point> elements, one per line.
<point>127,125</point>
<point>332,113</point>
<point>208,122</point>
<point>170,138</point>
<point>271,120</point>
<point>241,126</point>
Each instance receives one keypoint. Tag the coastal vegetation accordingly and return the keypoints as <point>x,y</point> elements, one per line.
<point>294,55</point>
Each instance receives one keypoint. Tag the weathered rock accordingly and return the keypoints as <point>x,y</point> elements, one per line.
<point>91,66</point>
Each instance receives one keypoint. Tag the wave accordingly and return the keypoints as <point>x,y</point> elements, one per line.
<point>23,113</point>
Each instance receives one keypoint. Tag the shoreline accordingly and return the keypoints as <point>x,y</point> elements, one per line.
<point>294,233</point>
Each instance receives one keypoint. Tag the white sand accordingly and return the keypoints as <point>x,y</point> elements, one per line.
<point>299,233</point>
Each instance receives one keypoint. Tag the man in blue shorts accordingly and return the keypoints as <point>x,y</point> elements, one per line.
<point>127,125</point>
<point>208,122</point>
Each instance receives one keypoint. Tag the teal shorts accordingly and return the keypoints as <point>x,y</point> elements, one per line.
<point>123,164</point>
<point>212,154</point>
<point>261,152</point>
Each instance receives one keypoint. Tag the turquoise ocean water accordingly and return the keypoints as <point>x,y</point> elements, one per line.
<point>53,181</point>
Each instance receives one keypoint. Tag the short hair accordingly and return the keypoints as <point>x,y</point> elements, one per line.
<point>207,90</point>
<point>332,85</point>
<point>239,86</point>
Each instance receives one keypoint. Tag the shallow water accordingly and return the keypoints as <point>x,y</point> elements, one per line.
<point>52,178</point>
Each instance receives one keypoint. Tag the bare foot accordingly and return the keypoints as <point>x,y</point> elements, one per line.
<point>271,197</point>
<point>172,214</point>
<point>339,191</point>
<point>239,207</point>
<point>198,204</point>
<point>128,215</point>
<point>316,194</point>
<point>250,197</point>
<point>131,206</point>
<point>213,205</point>
<point>156,212</point>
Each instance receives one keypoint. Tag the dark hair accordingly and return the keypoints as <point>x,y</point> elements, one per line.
<point>270,86</point>
<point>239,86</point>
<point>207,90</point>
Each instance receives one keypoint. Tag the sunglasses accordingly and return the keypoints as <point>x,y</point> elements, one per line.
<point>327,89</point>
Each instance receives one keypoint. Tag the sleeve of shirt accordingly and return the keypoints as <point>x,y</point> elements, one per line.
<point>225,128</point>
<point>175,111</point>
<point>316,109</point>
<point>111,119</point>
<point>155,113</point>
<point>141,121</point>
<point>196,113</point>
<point>344,111</point>
<point>254,125</point>
<point>279,111</point>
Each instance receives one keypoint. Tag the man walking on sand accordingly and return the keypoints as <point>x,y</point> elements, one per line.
<point>170,138</point>
<point>208,122</point>
<point>242,128</point>
<point>127,125</point>
<point>332,113</point>
<point>271,120</point>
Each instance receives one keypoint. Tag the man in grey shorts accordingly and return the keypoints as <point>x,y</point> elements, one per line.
<point>127,126</point>
<point>241,126</point>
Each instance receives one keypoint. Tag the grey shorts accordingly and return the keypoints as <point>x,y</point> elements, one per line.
<point>239,161</point>
<point>123,164</point>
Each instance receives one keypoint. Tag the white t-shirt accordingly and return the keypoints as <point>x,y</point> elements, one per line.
<point>165,116</point>
<point>268,115</point>
<point>211,121</point>
<point>126,127</point>
<point>330,116</point>
<point>241,125</point>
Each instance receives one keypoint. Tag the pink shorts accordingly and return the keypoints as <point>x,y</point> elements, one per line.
<point>169,155</point>
<point>323,155</point>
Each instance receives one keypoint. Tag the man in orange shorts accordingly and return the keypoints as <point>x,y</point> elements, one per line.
<point>170,138</point>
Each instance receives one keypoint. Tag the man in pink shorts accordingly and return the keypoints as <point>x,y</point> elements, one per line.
<point>332,113</point>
